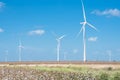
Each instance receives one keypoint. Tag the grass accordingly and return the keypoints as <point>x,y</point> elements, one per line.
<point>108,70</point>
<point>62,69</point>
<point>69,72</point>
<point>107,73</point>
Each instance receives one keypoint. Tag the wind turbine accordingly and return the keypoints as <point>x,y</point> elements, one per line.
<point>65,56</point>
<point>58,39</point>
<point>6,54</point>
<point>20,50</point>
<point>109,54</point>
<point>83,29</point>
<point>110,57</point>
<point>58,46</point>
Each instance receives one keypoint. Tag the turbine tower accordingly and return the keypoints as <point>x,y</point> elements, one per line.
<point>83,29</point>
<point>6,55</point>
<point>20,50</point>
<point>109,54</point>
<point>65,56</point>
<point>110,57</point>
<point>58,46</point>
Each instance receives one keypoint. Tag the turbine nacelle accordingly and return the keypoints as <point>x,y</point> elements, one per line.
<point>58,38</point>
<point>86,23</point>
<point>83,22</point>
<point>61,37</point>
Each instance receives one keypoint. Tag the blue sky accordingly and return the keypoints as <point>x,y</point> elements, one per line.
<point>33,21</point>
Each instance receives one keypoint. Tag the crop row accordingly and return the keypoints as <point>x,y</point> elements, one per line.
<point>21,73</point>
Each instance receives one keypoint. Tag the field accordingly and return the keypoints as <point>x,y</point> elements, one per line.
<point>59,71</point>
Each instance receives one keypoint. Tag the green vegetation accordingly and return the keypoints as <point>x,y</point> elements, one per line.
<point>57,73</point>
<point>62,69</point>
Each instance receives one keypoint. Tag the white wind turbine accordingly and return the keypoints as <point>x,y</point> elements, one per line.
<point>6,55</point>
<point>84,31</point>
<point>109,54</point>
<point>65,53</point>
<point>20,50</point>
<point>58,44</point>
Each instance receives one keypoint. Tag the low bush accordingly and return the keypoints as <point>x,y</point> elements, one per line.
<point>104,76</point>
<point>116,76</point>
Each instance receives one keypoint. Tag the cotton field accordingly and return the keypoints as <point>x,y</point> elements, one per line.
<point>57,73</point>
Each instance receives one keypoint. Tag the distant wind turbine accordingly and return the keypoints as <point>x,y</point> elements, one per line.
<point>58,44</point>
<point>83,29</point>
<point>110,54</point>
<point>6,54</point>
<point>20,50</point>
<point>110,57</point>
<point>65,53</point>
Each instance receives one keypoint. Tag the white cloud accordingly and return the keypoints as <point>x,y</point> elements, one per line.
<point>109,12</point>
<point>92,39</point>
<point>37,32</point>
<point>2,5</point>
<point>1,30</point>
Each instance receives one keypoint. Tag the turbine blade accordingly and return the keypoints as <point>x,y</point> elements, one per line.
<point>80,30</point>
<point>92,26</point>
<point>83,11</point>
<point>62,37</point>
